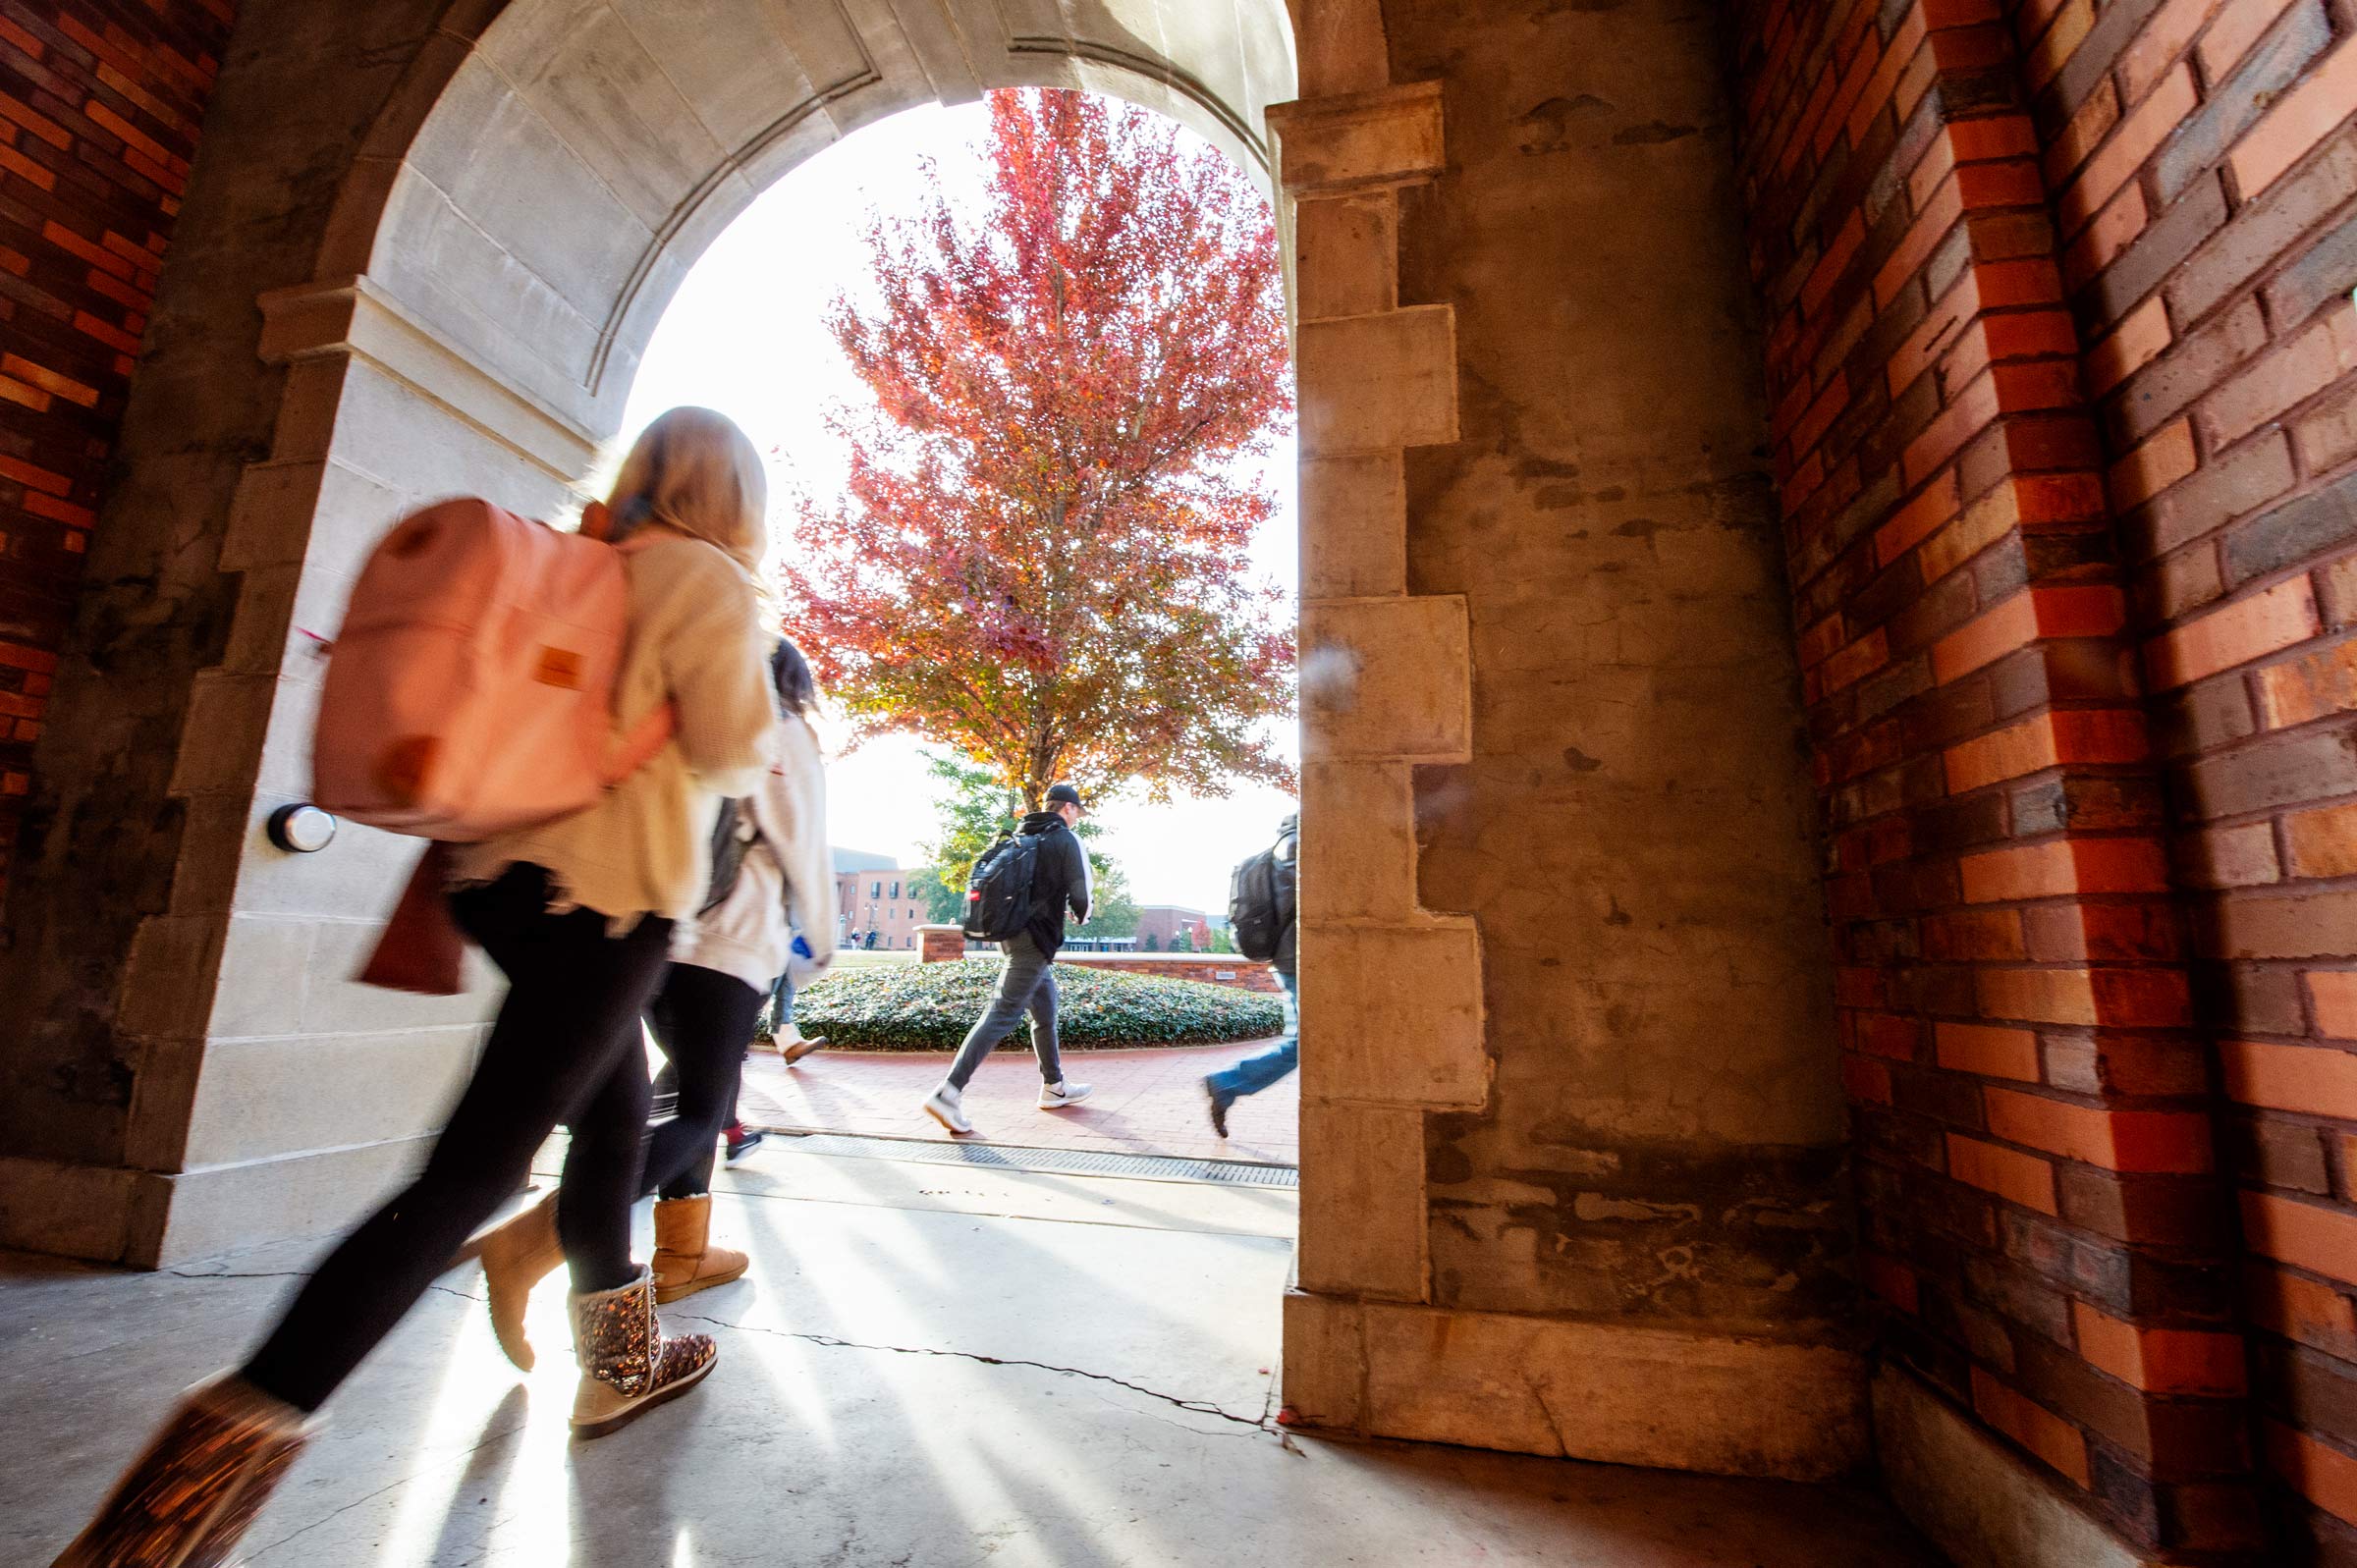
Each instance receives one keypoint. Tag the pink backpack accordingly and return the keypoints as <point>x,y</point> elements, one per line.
<point>471,689</point>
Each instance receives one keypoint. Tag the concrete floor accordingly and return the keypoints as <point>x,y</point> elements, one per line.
<point>929,1367</point>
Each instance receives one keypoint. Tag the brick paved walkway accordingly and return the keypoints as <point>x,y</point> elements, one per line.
<point>1146,1102</point>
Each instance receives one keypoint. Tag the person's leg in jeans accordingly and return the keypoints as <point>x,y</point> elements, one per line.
<point>1044,1000</point>
<point>702,1020</point>
<point>1256,1073</point>
<point>1026,967</point>
<point>569,1019</point>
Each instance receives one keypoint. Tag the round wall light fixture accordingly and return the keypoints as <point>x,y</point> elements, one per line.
<point>302,828</point>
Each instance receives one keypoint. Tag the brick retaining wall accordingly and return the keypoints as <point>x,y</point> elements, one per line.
<point>1218,971</point>
<point>940,943</point>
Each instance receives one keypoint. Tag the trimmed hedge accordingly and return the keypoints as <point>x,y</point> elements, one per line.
<point>930,1007</point>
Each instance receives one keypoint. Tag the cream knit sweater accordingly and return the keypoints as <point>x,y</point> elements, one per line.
<point>697,640</point>
<point>788,875</point>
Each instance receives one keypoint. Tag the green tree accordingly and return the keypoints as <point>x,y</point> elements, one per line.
<point>1112,912</point>
<point>973,810</point>
<point>1183,940</point>
<point>1222,941</point>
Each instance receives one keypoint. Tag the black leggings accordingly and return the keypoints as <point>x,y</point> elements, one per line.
<point>566,1049</point>
<point>703,1021</point>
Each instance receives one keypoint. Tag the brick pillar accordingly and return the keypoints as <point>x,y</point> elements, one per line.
<point>940,943</point>
<point>2044,1225</point>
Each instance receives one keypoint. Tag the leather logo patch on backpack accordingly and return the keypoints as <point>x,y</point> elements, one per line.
<point>401,768</point>
<point>559,667</point>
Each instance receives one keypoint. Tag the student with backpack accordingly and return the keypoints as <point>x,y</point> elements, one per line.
<point>1261,902</point>
<point>772,871</point>
<point>1017,897</point>
<point>578,911</point>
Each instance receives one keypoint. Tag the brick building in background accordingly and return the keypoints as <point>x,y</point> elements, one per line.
<point>1158,923</point>
<point>872,893</point>
<point>2060,349</point>
<point>100,101</point>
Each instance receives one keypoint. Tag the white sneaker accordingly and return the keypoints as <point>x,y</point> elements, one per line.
<point>1063,1092</point>
<point>942,1105</point>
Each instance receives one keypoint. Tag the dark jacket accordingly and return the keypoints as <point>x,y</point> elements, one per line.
<point>1059,882</point>
<point>1288,856</point>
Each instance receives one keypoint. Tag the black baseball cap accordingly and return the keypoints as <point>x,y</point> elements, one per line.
<point>1065,795</point>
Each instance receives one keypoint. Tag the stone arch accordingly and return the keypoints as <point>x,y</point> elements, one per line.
<point>495,257</point>
<point>492,264</point>
<point>552,169</point>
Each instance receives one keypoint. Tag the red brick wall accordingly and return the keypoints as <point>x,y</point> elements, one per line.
<point>2206,170</point>
<point>100,103</point>
<point>2046,1232</point>
<point>1242,974</point>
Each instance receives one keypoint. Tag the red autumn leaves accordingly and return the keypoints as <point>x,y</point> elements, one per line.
<point>1040,558</point>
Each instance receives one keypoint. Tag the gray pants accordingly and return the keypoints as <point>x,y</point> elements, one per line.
<point>1026,985</point>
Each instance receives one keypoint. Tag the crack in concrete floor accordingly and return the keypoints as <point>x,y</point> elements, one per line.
<point>1200,1407</point>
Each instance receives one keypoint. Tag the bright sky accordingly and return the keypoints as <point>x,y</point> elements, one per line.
<point>745,336</point>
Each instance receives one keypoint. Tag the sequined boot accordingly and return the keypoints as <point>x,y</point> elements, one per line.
<point>686,1261</point>
<point>187,1499</point>
<point>517,1256</point>
<point>628,1366</point>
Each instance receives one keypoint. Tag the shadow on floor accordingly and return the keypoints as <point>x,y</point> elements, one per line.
<point>935,1368</point>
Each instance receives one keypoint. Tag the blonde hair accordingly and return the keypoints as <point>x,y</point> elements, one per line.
<point>695,472</point>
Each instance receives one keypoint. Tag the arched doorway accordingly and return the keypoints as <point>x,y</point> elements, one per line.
<point>518,215</point>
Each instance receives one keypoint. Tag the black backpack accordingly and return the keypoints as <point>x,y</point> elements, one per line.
<point>1256,910</point>
<point>998,890</point>
<point>728,856</point>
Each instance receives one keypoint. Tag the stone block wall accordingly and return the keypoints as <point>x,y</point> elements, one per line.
<point>2061,347</point>
<point>100,103</point>
<point>1557,818</point>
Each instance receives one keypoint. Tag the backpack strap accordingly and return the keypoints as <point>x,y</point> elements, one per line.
<point>648,735</point>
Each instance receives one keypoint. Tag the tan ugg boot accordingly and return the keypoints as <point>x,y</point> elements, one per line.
<point>628,1366</point>
<point>686,1261</point>
<point>517,1256</point>
<point>187,1499</point>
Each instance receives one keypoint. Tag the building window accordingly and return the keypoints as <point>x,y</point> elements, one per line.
<point>875,889</point>
<point>896,889</point>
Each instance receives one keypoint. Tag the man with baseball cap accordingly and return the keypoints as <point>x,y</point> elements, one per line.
<point>1059,882</point>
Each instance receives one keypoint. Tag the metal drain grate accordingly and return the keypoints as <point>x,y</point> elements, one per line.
<point>1071,1161</point>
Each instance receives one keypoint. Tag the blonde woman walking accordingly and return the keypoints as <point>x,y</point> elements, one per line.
<point>579,914</point>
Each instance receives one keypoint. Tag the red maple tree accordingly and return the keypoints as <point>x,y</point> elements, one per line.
<point>1040,558</point>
